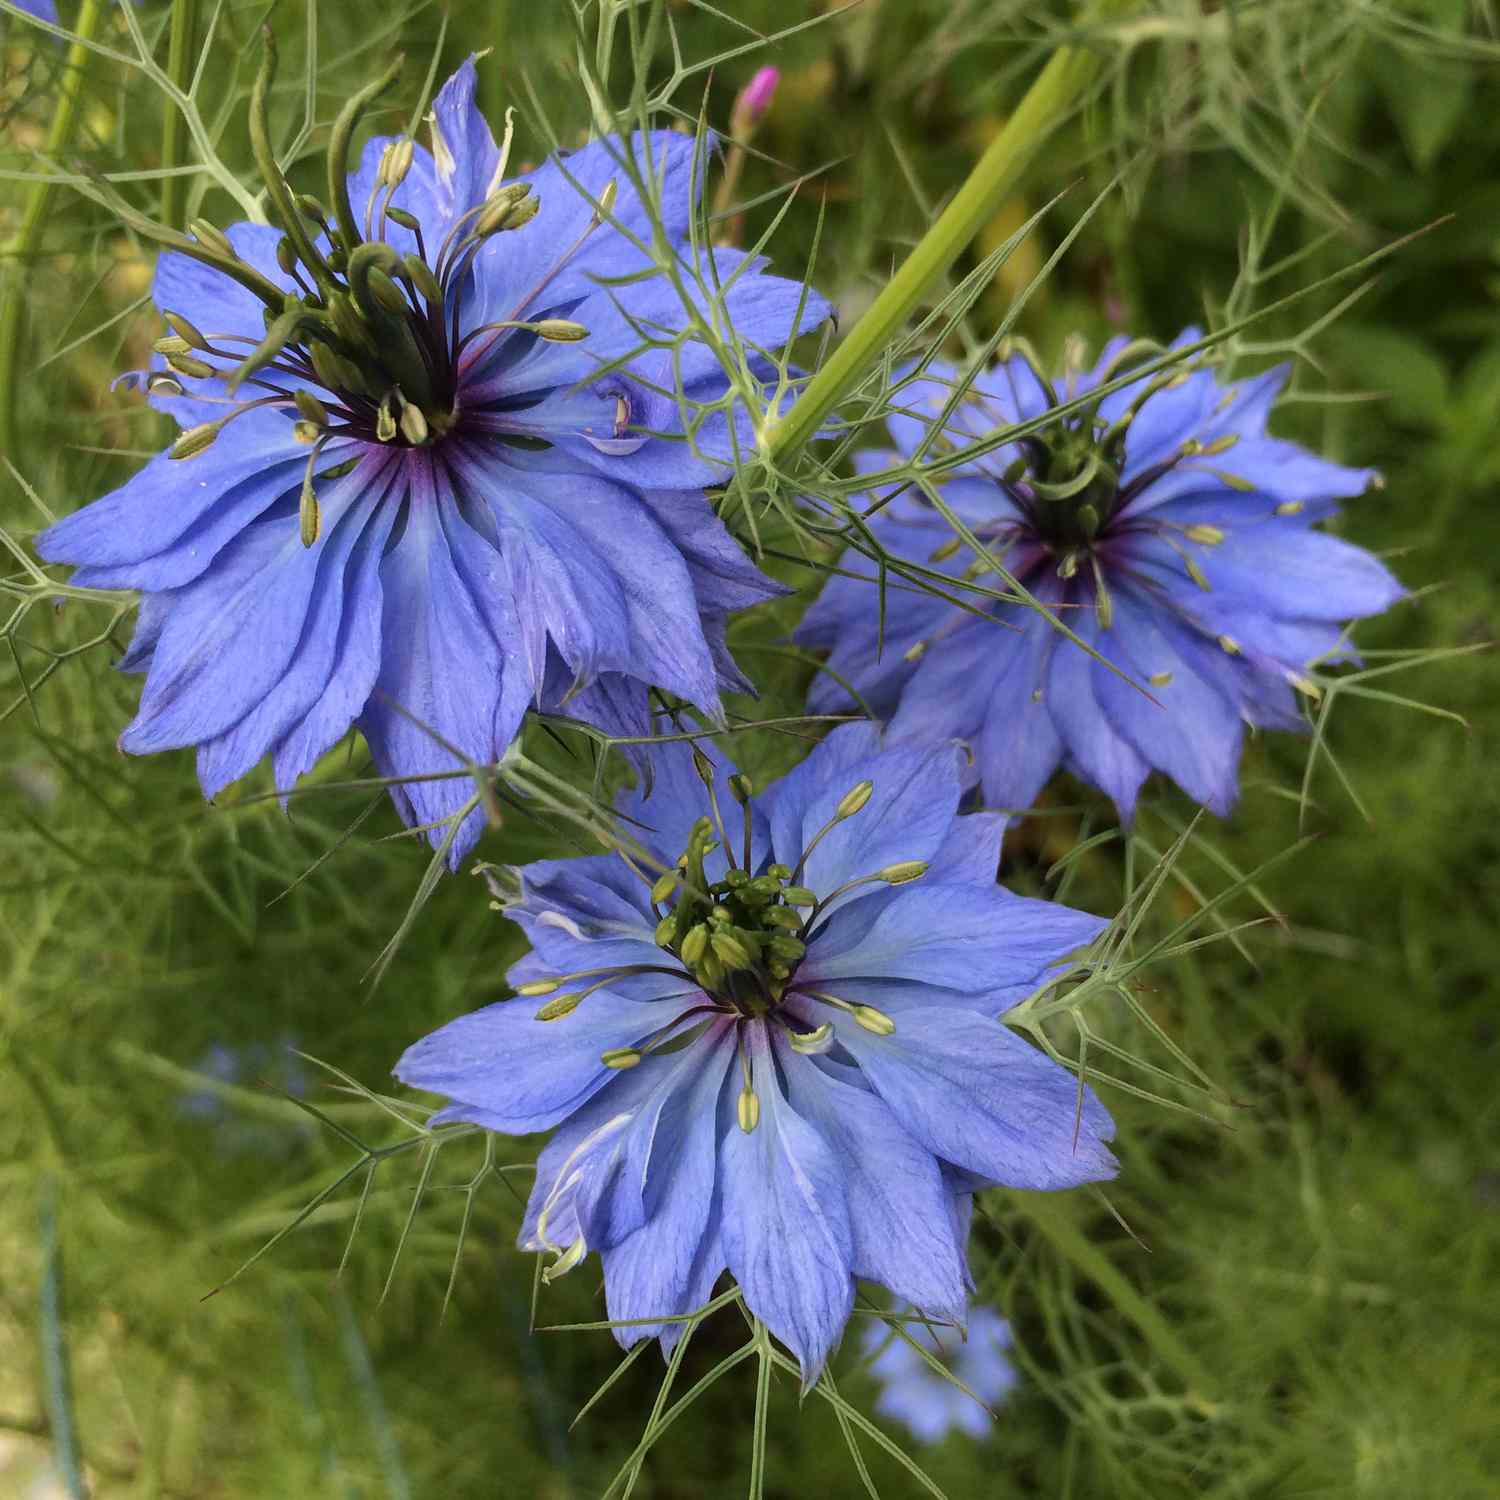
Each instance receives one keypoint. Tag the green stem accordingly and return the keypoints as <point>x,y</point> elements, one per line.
<point>1048,102</point>
<point>180,51</point>
<point>22,244</point>
<point>1056,1224</point>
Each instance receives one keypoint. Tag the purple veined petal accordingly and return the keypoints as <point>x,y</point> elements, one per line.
<point>505,1069</point>
<point>942,689</point>
<point>668,1266</point>
<point>786,1231</point>
<point>1192,732</point>
<point>975,1094</point>
<point>901,1231</point>
<point>1100,754</point>
<point>354,541</point>
<point>1017,747</point>
<point>724,578</point>
<point>971,851</point>
<point>909,812</point>
<point>231,635</point>
<point>464,155</point>
<point>445,694</point>
<point>149,619</point>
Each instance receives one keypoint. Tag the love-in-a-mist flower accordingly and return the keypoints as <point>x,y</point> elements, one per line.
<point>443,486</point>
<point>1161,523</point>
<point>913,1393</point>
<point>781,1056</point>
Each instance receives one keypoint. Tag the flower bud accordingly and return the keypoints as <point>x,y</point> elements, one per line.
<point>754,100</point>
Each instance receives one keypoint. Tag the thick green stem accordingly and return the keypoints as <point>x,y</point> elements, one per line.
<point>1047,103</point>
<point>22,245</point>
<point>180,50</point>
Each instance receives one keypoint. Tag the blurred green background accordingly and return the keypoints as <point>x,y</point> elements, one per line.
<point>1304,1305</point>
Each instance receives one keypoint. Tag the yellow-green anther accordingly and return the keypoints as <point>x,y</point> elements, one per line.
<point>187,333</point>
<point>789,948</point>
<point>1306,685</point>
<point>853,800</point>
<point>286,255</point>
<point>810,1043</point>
<point>521,215</point>
<point>539,987</point>
<point>491,217</point>
<point>1191,448</point>
<point>1196,574</point>
<point>1290,507</point>
<point>1159,679</point>
<point>732,952</point>
<point>606,201</point>
<point>306,432</point>
<point>799,895</point>
<point>194,440</point>
<point>903,871</point>
<point>874,1020</point>
<point>311,409</point>
<point>385,423</point>
<point>185,364</point>
<point>666,930</point>
<point>404,219</point>
<point>562,1005</point>
<point>1067,565</point>
<point>560,330</point>
<point>664,887</point>
<point>1228,645</point>
<point>719,915</point>
<point>748,1109</point>
<point>309,518</point>
<point>1234,481</point>
<point>783,916</point>
<point>915,652</point>
<point>1221,444</point>
<point>171,344</point>
<point>703,766</point>
<point>211,238</point>
<point>947,550</point>
<point>694,945</point>
<point>620,1058</point>
<point>310,208</point>
<point>413,425</point>
<point>1209,536</point>
<point>1104,606</point>
<point>1088,519</point>
<point>395,162</point>
<point>422,278</point>
<point>778,970</point>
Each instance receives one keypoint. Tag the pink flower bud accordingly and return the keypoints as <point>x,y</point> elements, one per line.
<point>754,100</point>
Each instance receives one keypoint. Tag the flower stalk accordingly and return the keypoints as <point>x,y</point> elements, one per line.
<point>1047,103</point>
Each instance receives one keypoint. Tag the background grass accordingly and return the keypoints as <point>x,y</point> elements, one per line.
<point>1306,1305</point>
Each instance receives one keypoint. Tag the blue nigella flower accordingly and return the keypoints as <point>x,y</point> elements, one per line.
<point>783,1056</point>
<point>913,1393</point>
<point>443,502</point>
<point>1161,523</point>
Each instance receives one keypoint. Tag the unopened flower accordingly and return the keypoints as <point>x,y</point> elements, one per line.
<point>913,1393</point>
<point>788,1064</point>
<point>753,102</point>
<point>1161,524</point>
<point>417,489</point>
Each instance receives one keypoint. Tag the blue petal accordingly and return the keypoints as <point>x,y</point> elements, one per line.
<point>1192,731</point>
<point>506,1070</point>
<point>464,152</point>
<point>901,1231</point>
<point>786,1231</point>
<point>1096,751</point>
<point>974,1093</point>
<point>1017,746</point>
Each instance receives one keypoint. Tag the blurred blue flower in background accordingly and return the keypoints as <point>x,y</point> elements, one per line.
<point>237,1133</point>
<point>914,1393</point>
<point>1160,523</point>
<point>782,1056</point>
<point>443,503</point>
